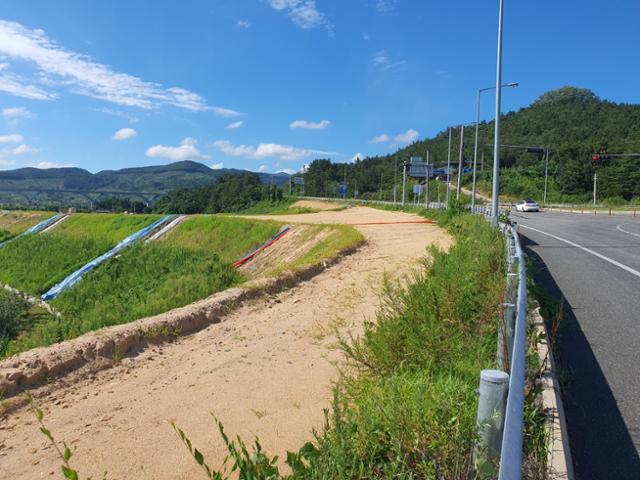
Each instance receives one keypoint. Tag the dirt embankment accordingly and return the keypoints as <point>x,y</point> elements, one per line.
<point>265,371</point>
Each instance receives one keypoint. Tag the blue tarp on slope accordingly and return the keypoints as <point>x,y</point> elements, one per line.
<point>36,228</point>
<point>76,276</point>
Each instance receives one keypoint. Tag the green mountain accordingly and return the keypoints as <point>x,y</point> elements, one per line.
<point>154,179</point>
<point>574,123</point>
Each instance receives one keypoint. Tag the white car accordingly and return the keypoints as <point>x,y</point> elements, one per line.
<point>527,206</point>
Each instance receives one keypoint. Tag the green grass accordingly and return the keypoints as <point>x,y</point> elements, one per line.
<point>229,237</point>
<point>13,223</point>
<point>35,263</point>
<point>283,207</point>
<point>337,239</point>
<point>146,279</point>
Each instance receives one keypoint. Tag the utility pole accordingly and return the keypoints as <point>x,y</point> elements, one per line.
<point>395,181</point>
<point>426,195</point>
<point>448,171</point>
<point>460,165</point>
<point>546,176</point>
<point>404,180</point>
<point>345,182</point>
<point>475,152</point>
<point>595,188</point>
<point>495,190</point>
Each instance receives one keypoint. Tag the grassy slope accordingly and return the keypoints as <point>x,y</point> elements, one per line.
<point>146,279</point>
<point>37,262</point>
<point>15,222</point>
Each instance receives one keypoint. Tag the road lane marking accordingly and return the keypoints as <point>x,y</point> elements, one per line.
<point>619,227</point>
<point>596,254</point>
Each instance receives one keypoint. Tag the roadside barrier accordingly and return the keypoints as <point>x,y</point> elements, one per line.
<point>500,418</point>
<point>76,276</point>
<point>267,244</point>
<point>36,228</point>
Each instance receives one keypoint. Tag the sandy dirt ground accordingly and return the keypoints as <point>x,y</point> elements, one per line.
<point>265,371</point>
<point>316,204</point>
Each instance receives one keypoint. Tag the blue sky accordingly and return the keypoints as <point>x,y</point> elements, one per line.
<point>272,84</point>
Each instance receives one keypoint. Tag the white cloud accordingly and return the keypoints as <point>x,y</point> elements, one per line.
<point>234,125</point>
<point>12,138</point>
<point>45,165</point>
<point>303,13</point>
<point>19,87</point>
<point>357,156</point>
<point>22,149</point>
<point>409,136</point>
<point>124,134</point>
<point>289,171</point>
<point>119,113</point>
<point>81,75</point>
<point>217,166</point>
<point>380,138</point>
<point>385,6</point>
<point>243,23</point>
<point>263,168</point>
<point>187,150</point>
<point>321,125</point>
<point>382,61</point>
<point>267,150</point>
<point>380,58</point>
<point>16,113</point>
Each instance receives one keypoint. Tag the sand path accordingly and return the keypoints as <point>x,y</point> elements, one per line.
<point>265,371</point>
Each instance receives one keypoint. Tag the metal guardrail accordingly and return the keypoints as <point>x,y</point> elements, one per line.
<point>512,440</point>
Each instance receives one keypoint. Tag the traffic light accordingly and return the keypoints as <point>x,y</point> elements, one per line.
<point>535,150</point>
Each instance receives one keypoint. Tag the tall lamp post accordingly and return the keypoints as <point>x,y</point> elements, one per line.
<point>475,148</point>
<point>495,190</point>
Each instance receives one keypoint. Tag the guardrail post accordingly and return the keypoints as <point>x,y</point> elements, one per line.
<point>494,386</point>
<point>505,336</point>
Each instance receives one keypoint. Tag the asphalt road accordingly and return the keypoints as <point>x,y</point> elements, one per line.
<point>594,263</point>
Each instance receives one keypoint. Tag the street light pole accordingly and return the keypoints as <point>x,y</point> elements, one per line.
<point>546,176</point>
<point>448,171</point>
<point>595,188</point>
<point>395,181</point>
<point>426,199</point>
<point>460,165</point>
<point>475,153</point>
<point>495,190</point>
<point>475,147</point>
<point>404,180</point>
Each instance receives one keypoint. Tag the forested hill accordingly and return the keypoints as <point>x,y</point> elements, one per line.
<point>159,178</point>
<point>572,122</point>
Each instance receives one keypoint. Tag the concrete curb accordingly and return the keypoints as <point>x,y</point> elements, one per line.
<point>102,347</point>
<point>559,462</point>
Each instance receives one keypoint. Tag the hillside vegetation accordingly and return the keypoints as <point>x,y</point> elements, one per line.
<point>153,179</point>
<point>34,263</point>
<point>574,123</point>
<point>14,223</point>
<point>231,193</point>
<point>191,263</point>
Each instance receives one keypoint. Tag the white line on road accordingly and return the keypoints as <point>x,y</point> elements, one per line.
<point>596,254</point>
<point>619,227</point>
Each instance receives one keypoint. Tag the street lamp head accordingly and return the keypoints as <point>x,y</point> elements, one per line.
<point>512,84</point>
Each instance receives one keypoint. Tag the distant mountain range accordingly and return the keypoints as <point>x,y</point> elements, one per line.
<point>156,179</point>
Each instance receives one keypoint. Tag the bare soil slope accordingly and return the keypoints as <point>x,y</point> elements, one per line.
<point>265,371</point>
